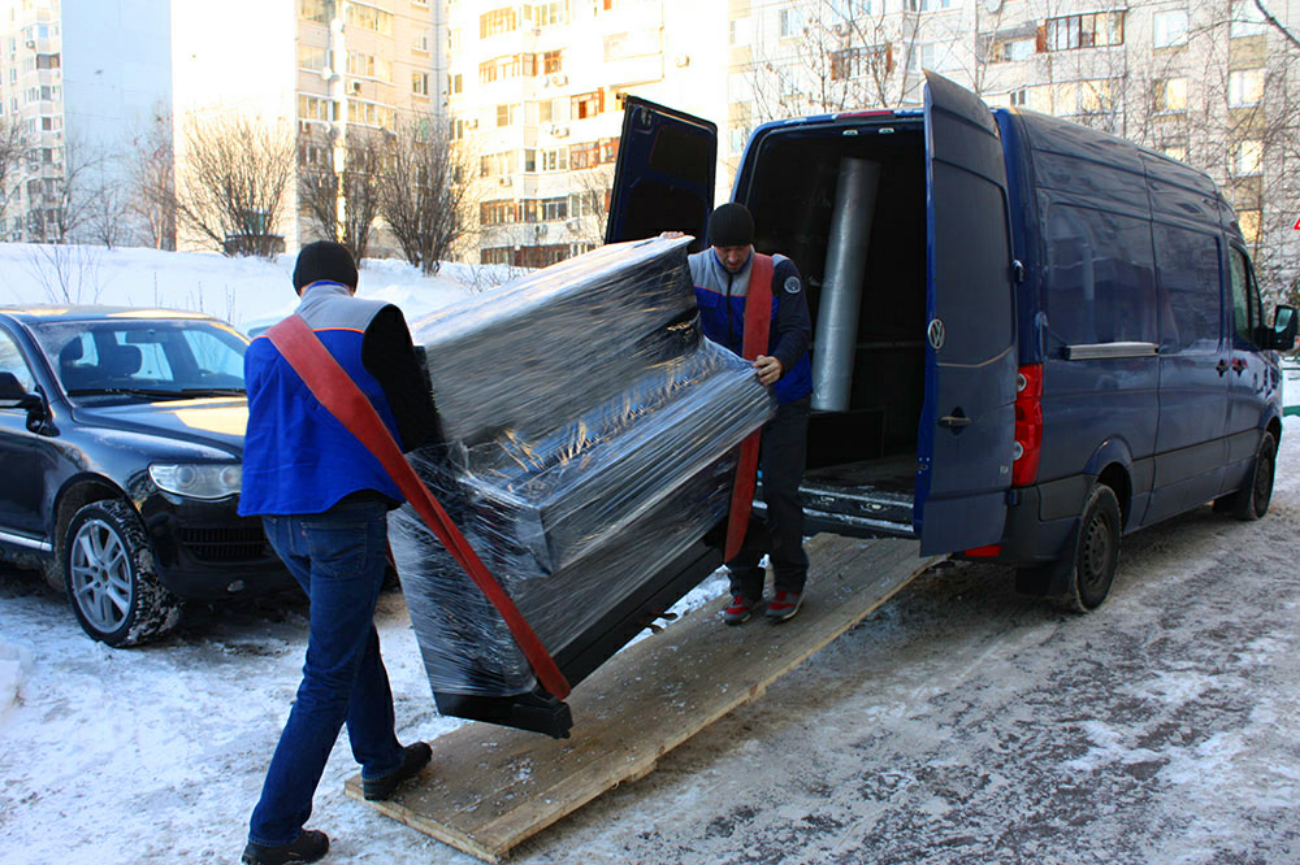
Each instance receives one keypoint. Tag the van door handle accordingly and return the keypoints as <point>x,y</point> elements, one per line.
<point>954,421</point>
<point>1238,365</point>
<point>1222,367</point>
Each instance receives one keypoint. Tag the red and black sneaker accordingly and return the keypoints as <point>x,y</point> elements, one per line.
<point>783,606</point>
<point>739,611</point>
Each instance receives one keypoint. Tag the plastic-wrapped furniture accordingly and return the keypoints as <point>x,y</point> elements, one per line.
<point>588,448</point>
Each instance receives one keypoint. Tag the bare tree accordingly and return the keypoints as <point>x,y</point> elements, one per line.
<point>13,150</point>
<point>108,200</point>
<point>426,194</point>
<point>60,189</point>
<point>67,273</point>
<point>358,181</point>
<point>232,182</point>
<point>592,202</point>
<point>153,182</point>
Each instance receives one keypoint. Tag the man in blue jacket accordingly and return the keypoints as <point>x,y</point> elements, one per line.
<point>324,501</point>
<point>721,275</point>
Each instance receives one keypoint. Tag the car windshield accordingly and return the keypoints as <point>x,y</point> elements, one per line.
<point>146,358</point>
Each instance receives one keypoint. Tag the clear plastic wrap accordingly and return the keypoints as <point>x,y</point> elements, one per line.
<point>590,433</point>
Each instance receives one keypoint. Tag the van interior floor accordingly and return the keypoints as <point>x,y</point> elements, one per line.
<point>867,498</point>
<point>489,788</point>
<point>896,474</point>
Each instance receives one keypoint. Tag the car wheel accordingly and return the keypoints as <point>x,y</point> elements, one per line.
<point>112,584</point>
<point>1251,501</point>
<point>1093,558</point>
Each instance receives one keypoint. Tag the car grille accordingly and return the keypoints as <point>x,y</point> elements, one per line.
<point>226,544</point>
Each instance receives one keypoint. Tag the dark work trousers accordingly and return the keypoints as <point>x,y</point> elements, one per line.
<point>781,458</point>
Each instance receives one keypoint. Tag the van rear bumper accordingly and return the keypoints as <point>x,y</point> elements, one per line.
<point>1027,538</point>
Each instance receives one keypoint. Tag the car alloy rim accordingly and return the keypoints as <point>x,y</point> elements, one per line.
<point>101,576</point>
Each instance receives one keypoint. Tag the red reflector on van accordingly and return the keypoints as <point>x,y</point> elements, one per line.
<point>986,552</point>
<point>1029,425</point>
<point>873,113</point>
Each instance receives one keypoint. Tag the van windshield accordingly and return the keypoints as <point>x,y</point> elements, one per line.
<point>146,358</point>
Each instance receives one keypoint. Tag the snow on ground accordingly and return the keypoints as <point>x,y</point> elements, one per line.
<point>243,291</point>
<point>959,724</point>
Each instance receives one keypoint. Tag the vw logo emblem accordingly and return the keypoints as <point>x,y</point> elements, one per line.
<point>936,334</point>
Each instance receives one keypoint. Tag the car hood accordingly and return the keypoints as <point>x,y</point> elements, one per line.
<point>213,421</point>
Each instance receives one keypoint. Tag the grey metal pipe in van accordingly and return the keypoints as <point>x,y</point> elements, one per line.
<point>841,298</point>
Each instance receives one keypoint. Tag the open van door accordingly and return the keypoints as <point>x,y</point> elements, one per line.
<point>663,180</point>
<point>967,429</point>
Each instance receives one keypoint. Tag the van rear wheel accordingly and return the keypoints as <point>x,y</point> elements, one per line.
<point>1251,501</point>
<point>1091,560</point>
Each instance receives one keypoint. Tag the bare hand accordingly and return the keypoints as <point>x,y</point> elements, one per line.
<point>768,369</point>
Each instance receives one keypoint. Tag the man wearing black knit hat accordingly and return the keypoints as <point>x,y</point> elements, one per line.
<point>324,499</point>
<point>722,275</point>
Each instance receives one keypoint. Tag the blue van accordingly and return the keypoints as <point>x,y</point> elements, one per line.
<point>1053,336</point>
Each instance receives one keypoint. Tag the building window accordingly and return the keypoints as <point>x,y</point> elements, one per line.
<point>497,212</point>
<point>738,31</point>
<point>861,62</point>
<point>530,161</point>
<point>455,83</point>
<point>555,159</point>
<point>1245,87</point>
<point>1171,95</point>
<point>552,62</point>
<point>369,18</point>
<point>509,66</point>
<point>1246,19</point>
<point>586,105</point>
<point>507,114</point>
<point>791,23</point>
<point>1094,30</point>
<point>545,209</point>
<point>1097,97</point>
<point>420,42</point>
<point>369,66</point>
<point>1249,222</point>
<point>315,108</point>
<point>496,22</point>
<point>1011,50</point>
<point>420,83</point>
<point>47,61</point>
<point>1169,28</point>
<point>497,164</point>
<point>1018,98</point>
<point>321,11</point>
<point>1175,151</point>
<point>935,56</point>
<point>314,59</point>
<point>1247,158</point>
<point>546,14</point>
<point>371,114</point>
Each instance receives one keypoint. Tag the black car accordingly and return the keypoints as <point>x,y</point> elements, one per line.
<point>121,437</point>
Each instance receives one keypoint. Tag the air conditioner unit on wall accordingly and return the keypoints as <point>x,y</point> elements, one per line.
<point>560,131</point>
<point>471,123</point>
<point>506,180</point>
<point>559,80</point>
<point>573,224</point>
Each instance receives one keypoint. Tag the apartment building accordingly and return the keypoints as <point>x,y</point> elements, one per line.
<point>79,101</point>
<point>535,95</point>
<point>316,67</point>
<point>1210,82</point>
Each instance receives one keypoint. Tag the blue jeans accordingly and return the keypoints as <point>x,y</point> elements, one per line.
<point>338,559</point>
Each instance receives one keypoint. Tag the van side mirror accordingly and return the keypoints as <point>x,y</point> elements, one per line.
<point>1285,324</point>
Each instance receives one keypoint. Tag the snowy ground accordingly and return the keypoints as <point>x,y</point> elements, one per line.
<point>243,291</point>
<point>960,724</point>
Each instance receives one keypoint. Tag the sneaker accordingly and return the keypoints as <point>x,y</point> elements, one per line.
<point>738,612</point>
<point>416,758</point>
<point>309,846</point>
<point>783,606</point>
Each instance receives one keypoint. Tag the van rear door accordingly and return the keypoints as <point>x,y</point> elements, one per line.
<point>664,177</point>
<point>967,426</point>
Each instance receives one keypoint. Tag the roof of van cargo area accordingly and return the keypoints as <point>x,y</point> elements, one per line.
<point>1086,166</point>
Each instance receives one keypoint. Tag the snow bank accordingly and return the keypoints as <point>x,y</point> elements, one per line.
<point>15,666</point>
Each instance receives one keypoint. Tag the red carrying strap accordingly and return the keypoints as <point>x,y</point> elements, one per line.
<point>758,320</point>
<point>339,394</point>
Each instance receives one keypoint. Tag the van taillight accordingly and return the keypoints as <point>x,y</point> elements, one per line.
<point>1029,425</point>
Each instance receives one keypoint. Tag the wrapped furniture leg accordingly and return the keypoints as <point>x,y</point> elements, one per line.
<point>589,436</point>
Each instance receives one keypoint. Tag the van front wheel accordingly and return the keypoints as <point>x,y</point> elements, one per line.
<point>1091,561</point>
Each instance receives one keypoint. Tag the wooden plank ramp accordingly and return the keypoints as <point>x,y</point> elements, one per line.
<point>489,787</point>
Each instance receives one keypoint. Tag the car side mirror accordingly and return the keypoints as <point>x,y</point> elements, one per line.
<point>14,395</point>
<point>1285,324</point>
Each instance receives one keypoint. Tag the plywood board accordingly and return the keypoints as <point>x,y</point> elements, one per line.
<point>489,787</point>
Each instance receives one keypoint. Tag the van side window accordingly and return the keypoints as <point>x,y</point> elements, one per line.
<point>1187,271</point>
<point>1100,285</point>
<point>1247,312</point>
<point>11,360</point>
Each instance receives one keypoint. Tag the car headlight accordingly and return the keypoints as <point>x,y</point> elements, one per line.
<point>198,480</point>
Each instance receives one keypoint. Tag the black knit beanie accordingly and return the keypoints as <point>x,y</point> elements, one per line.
<point>731,225</point>
<point>324,259</point>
